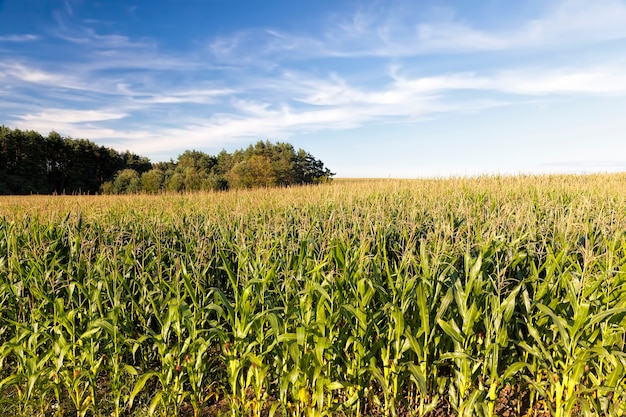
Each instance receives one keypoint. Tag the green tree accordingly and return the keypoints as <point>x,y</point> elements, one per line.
<point>200,161</point>
<point>256,171</point>
<point>152,181</point>
<point>309,170</point>
<point>283,162</point>
<point>193,179</point>
<point>224,163</point>
<point>176,182</point>
<point>214,182</point>
<point>138,163</point>
<point>127,181</point>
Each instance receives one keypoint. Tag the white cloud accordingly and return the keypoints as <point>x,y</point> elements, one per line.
<point>403,32</point>
<point>565,22</point>
<point>17,73</point>
<point>593,82</point>
<point>525,82</point>
<point>175,96</point>
<point>576,20</point>
<point>71,116</point>
<point>26,73</point>
<point>19,38</point>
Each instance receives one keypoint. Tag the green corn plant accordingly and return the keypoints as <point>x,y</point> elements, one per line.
<point>498,325</point>
<point>354,295</point>
<point>314,350</point>
<point>120,374</point>
<point>463,392</point>
<point>69,372</point>
<point>399,303</point>
<point>242,324</point>
<point>198,347</point>
<point>305,356</point>
<point>29,378</point>
<point>358,329</point>
<point>432,299</point>
<point>171,344</point>
<point>306,382</point>
<point>567,335</point>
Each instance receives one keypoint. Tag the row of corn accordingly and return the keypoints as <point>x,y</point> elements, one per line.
<point>481,297</point>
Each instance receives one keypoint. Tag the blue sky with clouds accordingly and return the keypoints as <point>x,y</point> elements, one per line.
<point>394,88</point>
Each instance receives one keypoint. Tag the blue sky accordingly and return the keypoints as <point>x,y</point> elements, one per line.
<point>372,88</point>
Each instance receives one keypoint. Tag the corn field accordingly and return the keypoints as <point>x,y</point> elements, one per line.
<point>469,297</point>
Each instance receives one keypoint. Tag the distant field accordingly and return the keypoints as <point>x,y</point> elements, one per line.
<point>477,297</point>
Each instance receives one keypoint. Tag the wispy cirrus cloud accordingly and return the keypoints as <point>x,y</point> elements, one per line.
<point>19,38</point>
<point>403,32</point>
<point>531,81</point>
<point>73,116</point>
<point>23,72</point>
<point>302,102</point>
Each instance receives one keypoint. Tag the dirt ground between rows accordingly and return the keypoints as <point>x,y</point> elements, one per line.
<point>512,402</point>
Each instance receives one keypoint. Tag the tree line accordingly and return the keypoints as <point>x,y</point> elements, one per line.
<point>34,164</point>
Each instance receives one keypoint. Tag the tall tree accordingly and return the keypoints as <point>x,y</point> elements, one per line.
<point>32,163</point>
